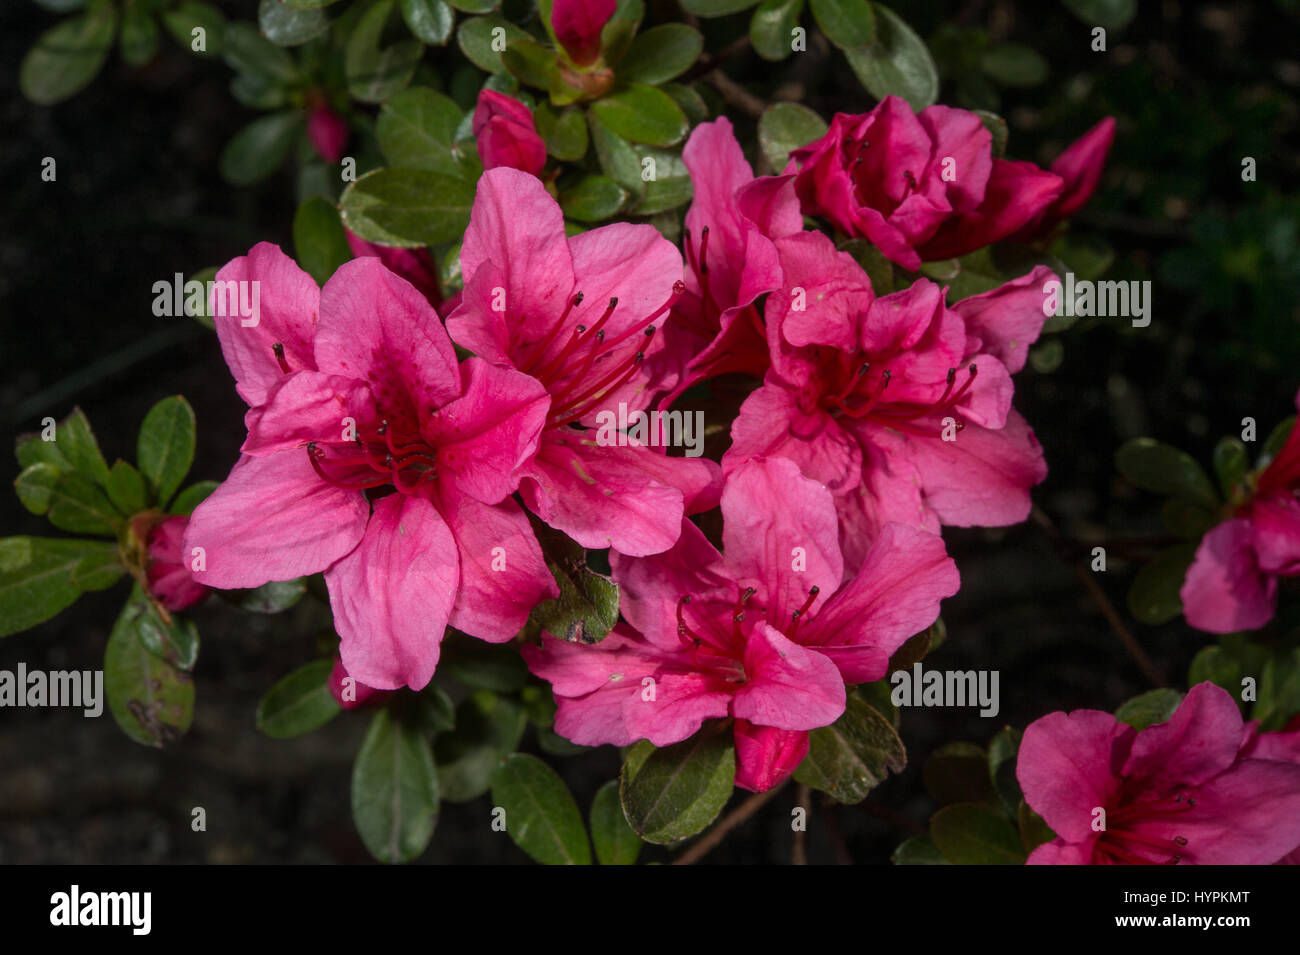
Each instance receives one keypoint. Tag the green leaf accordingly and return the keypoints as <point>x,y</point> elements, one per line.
<point>407,208</point>
<point>593,199</point>
<point>1146,709</point>
<point>615,842</point>
<point>79,506</point>
<point>975,835</point>
<point>66,58</point>
<point>78,445</point>
<point>1014,64</point>
<point>1275,441</point>
<point>260,148</point>
<point>249,53</point>
<point>958,773</point>
<point>35,486</point>
<point>299,703</point>
<point>588,603</point>
<point>783,128</point>
<point>617,158</point>
<point>1155,466</point>
<point>189,16</point>
<point>165,447</point>
<point>997,127</point>
<point>619,31</point>
<point>878,268</point>
<point>771,28</point>
<point>481,665</point>
<point>488,727</point>
<point>1215,665</point>
<point>276,596</point>
<point>126,488</point>
<point>32,449</point>
<point>475,6</point>
<point>36,578</point>
<point>1188,521</point>
<point>1154,597</point>
<point>847,23</point>
<point>1033,830</point>
<point>394,790</point>
<point>531,63</point>
<point>919,850</point>
<point>691,102</point>
<point>417,130</point>
<point>430,20</point>
<point>540,814</point>
<point>285,26</point>
<point>476,41</point>
<point>152,700</point>
<point>192,497</point>
<point>139,39</point>
<point>1279,690</point>
<point>1230,466</point>
<point>1111,14</point>
<point>175,640</point>
<point>671,186</point>
<point>852,756</point>
<point>661,53</point>
<point>319,242</point>
<point>642,114</point>
<point>897,63</point>
<point>564,133</point>
<point>716,8</point>
<point>1002,767</point>
<point>375,73</point>
<point>309,4</point>
<point>671,793</point>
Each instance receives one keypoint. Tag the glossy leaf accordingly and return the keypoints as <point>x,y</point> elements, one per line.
<point>394,790</point>
<point>672,793</point>
<point>299,703</point>
<point>540,814</point>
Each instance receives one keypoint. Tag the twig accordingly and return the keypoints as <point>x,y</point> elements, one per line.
<point>802,799</point>
<point>1103,602</point>
<point>736,95</point>
<point>730,821</point>
<point>709,61</point>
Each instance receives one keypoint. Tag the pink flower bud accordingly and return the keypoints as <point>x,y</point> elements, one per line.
<point>353,694</point>
<point>506,134</point>
<point>328,132</point>
<point>169,576</point>
<point>577,25</point>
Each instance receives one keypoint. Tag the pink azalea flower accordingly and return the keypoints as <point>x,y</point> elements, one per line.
<point>1080,168</point>
<point>327,130</point>
<point>919,186</point>
<point>768,632</point>
<point>901,405</point>
<point>414,265</point>
<point>357,695</point>
<point>168,573</point>
<point>716,328</point>
<point>372,456</point>
<point>1178,792</point>
<point>1232,583</point>
<point>578,314</point>
<point>577,25</point>
<point>506,135</point>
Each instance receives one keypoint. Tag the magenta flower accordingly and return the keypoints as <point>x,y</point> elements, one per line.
<point>168,572</point>
<point>1232,583</point>
<point>327,130</point>
<point>372,456</point>
<point>919,186</point>
<point>578,314</point>
<point>1178,792</point>
<point>506,135</point>
<point>768,632</point>
<point>900,405</point>
<point>414,265</point>
<point>355,695</point>
<point>577,25</point>
<point>716,327</point>
<point>1080,168</point>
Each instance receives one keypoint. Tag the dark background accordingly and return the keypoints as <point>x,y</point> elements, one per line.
<point>1195,87</point>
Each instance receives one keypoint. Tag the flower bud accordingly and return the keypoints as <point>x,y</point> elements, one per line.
<point>354,694</point>
<point>506,135</point>
<point>170,581</point>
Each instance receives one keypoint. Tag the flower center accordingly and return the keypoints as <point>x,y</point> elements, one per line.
<point>859,397</point>
<point>376,460</point>
<point>1119,844</point>
<point>591,365</point>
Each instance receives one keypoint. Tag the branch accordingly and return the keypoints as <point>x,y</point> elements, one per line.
<point>736,95</point>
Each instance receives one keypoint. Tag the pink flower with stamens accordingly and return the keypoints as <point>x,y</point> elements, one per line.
<point>920,186</point>
<point>716,327</point>
<point>1183,792</point>
<point>579,315</point>
<point>374,457</point>
<point>901,405</point>
<point>768,632</point>
<point>1232,584</point>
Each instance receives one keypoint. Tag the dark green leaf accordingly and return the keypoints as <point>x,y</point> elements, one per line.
<point>79,506</point>
<point>375,73</point>
<point>299,703</point>
<point>716,8</point>
<point>175,640</point>
<point>165,447</point>
<point>674,792</point>
<point>192,497</point>
<point>36,579</point>
<point>852,756</point>
<point>540,814</point>
<point>152,700</point>
<point>190,16</point>
<point>919,850</point>
<point>407,208</point>
<point>565,133</point>
<point>783,128</point>
<point>771,29</point>
<point>126,488</point>
<point>100,566</point>
<point>661,53</point>
<point>430,20</point>
<point>394,790</point>
<point>847,23</point>
<point>259,148</point>
<point>1145,709</point>
<point>975,835</point>
<point>78,445</point>
<point>1215,665</point>
<point>248,52</point>
<point>897,63</point>
<point>642,114</point>
<point>1154,597</point>
<point>671,186</point>
<point>488,727</point>
<point>66,58</point>
<point>274,597</point>
<point>958,773</point>
<point>417,130</point>
<point>1014,64</point>
<point>617,157</point>
<point>319,241</point>
<point>481,665</point>
<point>1002,767</point>
<point>1033,830</point>
<point>1230,465</point>
<point>593,199</point>
<point>139,39</point>
<point>285,26</point>
<point>588,603</point>
<point>1155,466</point>
<point>615,842</point>
<point>475,38</point>
<point>1111,14</point>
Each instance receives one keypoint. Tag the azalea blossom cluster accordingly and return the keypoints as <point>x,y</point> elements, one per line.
<point>404,473</point>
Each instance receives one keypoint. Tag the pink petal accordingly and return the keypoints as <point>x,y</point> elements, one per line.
<point>273,518</point>
<point>1067,767</point>
<point>959,135</point>
<point>1199,741</point>
<point>766,756</point>
<point>392,596</point>
<point>1081,165</point>
<point>650,587</point>
<point>1017,192</point>
<point>1008,319</point>
<point>307,406</point>
<point>1225,590</point>
<point>787,686</point>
